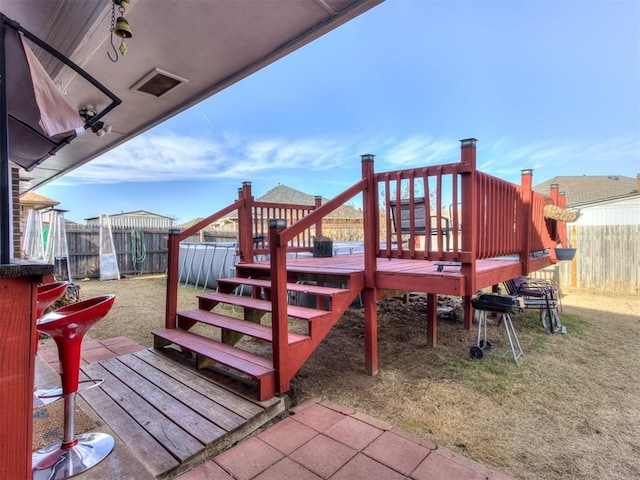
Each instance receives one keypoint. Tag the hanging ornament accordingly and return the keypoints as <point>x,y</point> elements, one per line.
<point>120,28</point>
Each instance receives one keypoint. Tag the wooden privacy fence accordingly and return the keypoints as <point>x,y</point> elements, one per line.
<point>607,258</point>
<point>137,251</point>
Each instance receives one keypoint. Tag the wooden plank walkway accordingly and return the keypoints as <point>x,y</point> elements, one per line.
<point>168,414</point>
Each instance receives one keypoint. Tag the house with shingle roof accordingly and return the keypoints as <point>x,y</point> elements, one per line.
<point>345,223</point>
<point>606,234</point>
<point>601,199</point>
<point>135,219</point>
<point>35,201</point>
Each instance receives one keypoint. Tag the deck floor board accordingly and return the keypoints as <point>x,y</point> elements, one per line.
<point>229,400</point>
<point>156,457</point>
<point>175,439</point>
<point>220,417</point>
<point>401,273</point>
<point>168,414</point>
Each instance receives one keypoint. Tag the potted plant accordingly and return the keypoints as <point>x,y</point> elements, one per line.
<point>556,213</point>
<point>565,253</point>
<point>322,246</point>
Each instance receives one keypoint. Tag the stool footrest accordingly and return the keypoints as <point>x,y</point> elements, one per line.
<point>58,392</point>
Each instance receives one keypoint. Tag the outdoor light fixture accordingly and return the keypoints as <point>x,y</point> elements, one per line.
<point>99,127</point>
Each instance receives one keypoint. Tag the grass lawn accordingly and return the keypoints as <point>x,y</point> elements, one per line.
<point>569,410</point>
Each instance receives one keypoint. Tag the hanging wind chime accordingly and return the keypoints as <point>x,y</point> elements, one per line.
<point>119,27</point>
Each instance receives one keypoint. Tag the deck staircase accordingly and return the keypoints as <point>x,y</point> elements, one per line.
<point>308,324</point>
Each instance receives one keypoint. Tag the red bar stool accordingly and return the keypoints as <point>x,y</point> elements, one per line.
<point>47,294</point>
<point>76,453</point>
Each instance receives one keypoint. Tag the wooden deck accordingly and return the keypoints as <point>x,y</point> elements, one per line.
<point>412,275</point>
<point>170,415</point>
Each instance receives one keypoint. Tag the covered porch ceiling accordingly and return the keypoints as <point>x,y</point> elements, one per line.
<point>200,46</point>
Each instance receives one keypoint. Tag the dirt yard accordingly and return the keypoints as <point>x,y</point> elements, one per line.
<point>570,410</point>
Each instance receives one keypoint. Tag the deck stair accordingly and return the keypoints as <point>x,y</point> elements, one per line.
<point>311,323</point>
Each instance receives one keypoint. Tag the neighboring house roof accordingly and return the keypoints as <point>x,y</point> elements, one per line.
<point>283,194</point>
<point>37,201</point>
<point>190,223</point>
<point>582,189</point>
<point>287,195</point>
<point>136,213</point>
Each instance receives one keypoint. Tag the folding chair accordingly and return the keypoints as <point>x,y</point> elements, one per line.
<point>542,295</point>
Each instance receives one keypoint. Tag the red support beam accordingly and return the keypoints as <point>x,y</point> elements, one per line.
<point>173,256</point>
<point>562,227</point>
<point>318,203</point>
<point>432,319</point>
<point>279,318</point>
<point>371,246</point>
<point>469,223</point>
<point>524,224</point>
<point>370,331</point>
<point>245,224</point>
<point>369,210</point>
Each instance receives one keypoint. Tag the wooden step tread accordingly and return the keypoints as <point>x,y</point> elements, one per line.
<point>249,363</point>
<point>255,330</point>
<point>292,287</point>
<point>294,311</point>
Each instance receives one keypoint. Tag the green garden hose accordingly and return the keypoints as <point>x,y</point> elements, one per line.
<point>138,249</point>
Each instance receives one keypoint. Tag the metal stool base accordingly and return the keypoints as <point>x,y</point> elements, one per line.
<point>54,463</point>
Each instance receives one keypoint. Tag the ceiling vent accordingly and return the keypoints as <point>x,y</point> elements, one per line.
<point>158,83</point>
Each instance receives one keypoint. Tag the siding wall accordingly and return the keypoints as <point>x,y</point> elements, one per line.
<point>147,221</point>
<point>619,212</point>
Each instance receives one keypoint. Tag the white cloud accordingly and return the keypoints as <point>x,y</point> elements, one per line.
<point>420,151</point>
<point>160,157</point>
<point>553,157</point>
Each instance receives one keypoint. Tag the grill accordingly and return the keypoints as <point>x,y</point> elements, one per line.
<point>502,304</point>
<point>490,302</point>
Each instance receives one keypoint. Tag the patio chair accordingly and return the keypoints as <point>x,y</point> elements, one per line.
<point>539,294</point>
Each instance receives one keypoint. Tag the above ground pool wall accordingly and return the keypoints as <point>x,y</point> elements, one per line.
<point>202,264</point>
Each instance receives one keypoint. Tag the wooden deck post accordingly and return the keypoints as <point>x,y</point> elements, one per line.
<point>562,227</point>
<point>245,224</point>
<point>279,318</point>
<point>173,256</point>
<point>370,213</point>
<point>370,331</point>
<point>526,201</point>
<point>432,319</point>
<point>371,245</point>
<point>469,223</point>
<point>554,227</point>
<point>318,203</point>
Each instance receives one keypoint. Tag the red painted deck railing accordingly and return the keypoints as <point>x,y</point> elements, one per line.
<point>448,212</point>
<point>419,214</point>
<point>499,224</point>
<point>539,236</point>
<point>253,220</point>
<point>263,212</point>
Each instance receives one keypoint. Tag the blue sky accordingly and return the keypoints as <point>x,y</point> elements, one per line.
<point>548,85</point>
